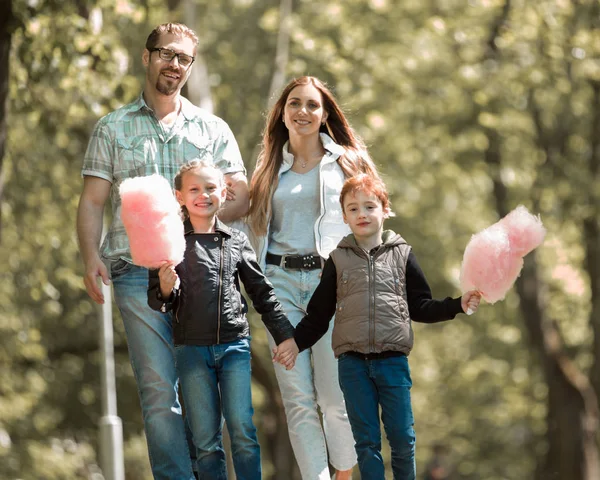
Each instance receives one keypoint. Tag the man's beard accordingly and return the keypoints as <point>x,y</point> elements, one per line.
<point>167,88</point>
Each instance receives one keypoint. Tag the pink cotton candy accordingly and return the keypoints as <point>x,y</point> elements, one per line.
<point>151,216</point>
<point>525,230</point>
<point>493,258</point>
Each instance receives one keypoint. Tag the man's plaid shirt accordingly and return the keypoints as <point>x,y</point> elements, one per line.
<point>130,142</point>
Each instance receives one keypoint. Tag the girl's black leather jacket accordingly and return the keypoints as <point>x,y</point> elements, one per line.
<point>208,307</point>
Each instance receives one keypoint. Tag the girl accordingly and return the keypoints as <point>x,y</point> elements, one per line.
<point>308,150</point>
<point>211,332</point>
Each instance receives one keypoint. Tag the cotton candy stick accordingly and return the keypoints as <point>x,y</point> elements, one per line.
<point>151,216</point>
<point>493,258</point>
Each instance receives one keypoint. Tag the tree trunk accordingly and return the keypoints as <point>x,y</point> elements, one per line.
<point>278,441</point>
<point>591,229</point>
<point>6,18</point>
<point>281,59</point>
<point>572,415</point>
<point>282,52</point>
<point>197,88</point>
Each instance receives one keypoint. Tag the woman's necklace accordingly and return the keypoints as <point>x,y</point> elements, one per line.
<point>304,162</point>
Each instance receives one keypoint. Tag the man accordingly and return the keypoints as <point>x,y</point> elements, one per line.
<point>157,133</point>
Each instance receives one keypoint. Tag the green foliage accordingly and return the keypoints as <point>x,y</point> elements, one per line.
<point>425,83</point>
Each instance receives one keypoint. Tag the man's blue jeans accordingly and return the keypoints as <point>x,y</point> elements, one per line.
<point>216,382</point>
<point>366,385</point>
<point>151,351</point>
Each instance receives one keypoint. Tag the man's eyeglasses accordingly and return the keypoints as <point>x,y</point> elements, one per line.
<point>168,55</point>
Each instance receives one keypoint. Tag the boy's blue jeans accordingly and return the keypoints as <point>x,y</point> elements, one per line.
<point>216,382</point>
<point>151,351</point>
<point>366,385</point>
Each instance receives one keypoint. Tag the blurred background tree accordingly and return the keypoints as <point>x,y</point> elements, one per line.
<point>469,109</point>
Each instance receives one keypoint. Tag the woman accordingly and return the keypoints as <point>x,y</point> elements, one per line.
<point>308,150</point>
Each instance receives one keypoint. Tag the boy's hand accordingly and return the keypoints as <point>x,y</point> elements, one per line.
<point>285,353</point>
<point>470,301</point>
<point>168,277</point>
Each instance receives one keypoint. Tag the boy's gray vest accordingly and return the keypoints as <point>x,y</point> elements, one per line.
<point>372,310</point>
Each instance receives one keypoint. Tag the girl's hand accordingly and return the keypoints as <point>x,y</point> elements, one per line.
<point>168,277</point>
<point>285,353</point>
<point>470,301</point>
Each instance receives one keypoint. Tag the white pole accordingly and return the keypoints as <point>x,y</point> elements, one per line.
<point>110,427</point>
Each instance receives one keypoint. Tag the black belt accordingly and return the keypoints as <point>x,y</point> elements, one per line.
<point>302,262</point>
<point>376,356</point>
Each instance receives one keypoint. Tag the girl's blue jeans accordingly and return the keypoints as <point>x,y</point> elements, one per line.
<point>216,383</point>
<point>368,384</point>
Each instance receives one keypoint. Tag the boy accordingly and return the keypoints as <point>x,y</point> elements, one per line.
<point>374,286</point>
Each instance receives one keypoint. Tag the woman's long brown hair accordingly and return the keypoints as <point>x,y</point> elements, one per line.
<point>265,178</point>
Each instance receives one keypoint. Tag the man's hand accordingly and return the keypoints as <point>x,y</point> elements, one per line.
<point>89,230</point>
<point>285,353</point>
<point>95,269</point>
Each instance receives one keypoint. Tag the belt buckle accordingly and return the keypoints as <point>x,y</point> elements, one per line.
<point>308,261</point>
<point>282,263</point>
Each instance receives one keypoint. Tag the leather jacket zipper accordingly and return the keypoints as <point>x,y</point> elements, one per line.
<point>220,292</point>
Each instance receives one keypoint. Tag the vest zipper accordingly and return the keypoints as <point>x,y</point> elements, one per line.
<point>371,303</point>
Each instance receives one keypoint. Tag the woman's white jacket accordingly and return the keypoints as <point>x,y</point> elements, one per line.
<point>329,227</point>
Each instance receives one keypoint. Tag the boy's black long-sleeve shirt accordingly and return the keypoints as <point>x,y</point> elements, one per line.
<point>422,307</point>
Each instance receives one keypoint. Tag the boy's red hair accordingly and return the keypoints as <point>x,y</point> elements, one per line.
<point>367,184</point>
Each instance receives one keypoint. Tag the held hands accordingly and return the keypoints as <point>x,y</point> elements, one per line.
<point>470,301</point>
<point>168,277</point>
<point>285,353</point>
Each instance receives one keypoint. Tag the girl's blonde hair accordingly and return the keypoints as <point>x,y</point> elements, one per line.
<point>195,165</point>
<point>265,178</point>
